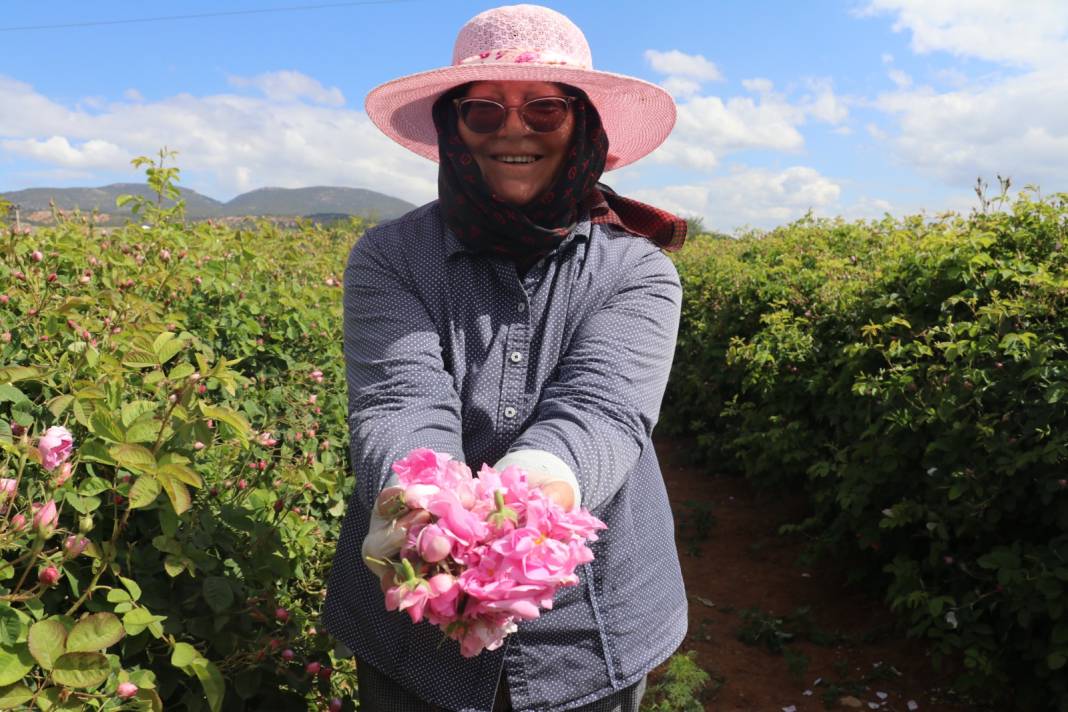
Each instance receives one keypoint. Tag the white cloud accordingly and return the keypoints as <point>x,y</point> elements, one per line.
<point>709,127</point>
<point>58,151</point>
<point>291,86</point>
<point>227,144</point>
<point>133,95</point>
<point>681,87</point>
<point>679,64</point>
<point>748,196</point>
<point>1014,124</point>
<point>901,79</point>
<point>1030,33</point>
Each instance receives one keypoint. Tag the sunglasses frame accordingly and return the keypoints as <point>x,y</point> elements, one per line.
<point>458,103</point>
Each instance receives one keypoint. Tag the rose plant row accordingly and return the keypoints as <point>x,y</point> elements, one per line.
<point>172,469</point>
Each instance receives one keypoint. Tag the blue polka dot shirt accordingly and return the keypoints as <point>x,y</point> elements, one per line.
<point>454,351</point>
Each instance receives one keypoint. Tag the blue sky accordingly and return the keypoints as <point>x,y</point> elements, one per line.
<point>844,107</point>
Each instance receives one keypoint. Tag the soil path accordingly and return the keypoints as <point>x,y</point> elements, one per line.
<point>733,560</point>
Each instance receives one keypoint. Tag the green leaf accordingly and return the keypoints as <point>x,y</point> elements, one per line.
<point>183,656</point>
<point>131,586</point>
<point>231,417</point>
<point>12,696</point>
<point>84,670</point>
<point>217,593</point>
<point>47,642</point>
<point>135,409</point>
<point>82,505</point>
<point>11,374</point>
<point>96,631</point>
<point>15,662</point>
<point>48,701</point>
<point>212,680</point>
<point>1056,660</point>
<point>181,371</point>
<point>102,424</point>
<point>134,457</point>
<point>117,595</point>
<point>93,485</point>
<point>183,473</point>
<point>178,494</point>
<point>144,491</point>
<point>143,431</point>
<point>138,619</point>
<point>10,393</point>
<point>173,565</point>
<point>11,625</point>
<point>57,405</point>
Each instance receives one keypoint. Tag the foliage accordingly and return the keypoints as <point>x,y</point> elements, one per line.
<point>681,688</point>
<point>910,376</point>
<point>200,372</point>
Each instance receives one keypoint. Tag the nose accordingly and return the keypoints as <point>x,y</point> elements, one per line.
<point>513,123</point>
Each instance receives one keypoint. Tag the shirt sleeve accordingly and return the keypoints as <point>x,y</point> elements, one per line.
<point>400,395</point>
<point>599,410</point>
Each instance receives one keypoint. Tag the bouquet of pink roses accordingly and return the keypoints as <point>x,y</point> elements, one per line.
<point>493,550</point>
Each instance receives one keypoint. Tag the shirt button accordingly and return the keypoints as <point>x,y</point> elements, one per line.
<point>520,307</point>
<point>515,357</point>
<point>509,412</point>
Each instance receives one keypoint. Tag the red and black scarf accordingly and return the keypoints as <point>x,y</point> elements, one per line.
<point>526,234</point>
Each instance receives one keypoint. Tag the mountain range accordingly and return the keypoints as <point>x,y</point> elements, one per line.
<point>318,200</point>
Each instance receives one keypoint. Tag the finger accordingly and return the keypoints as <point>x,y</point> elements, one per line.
<point>560,492</point>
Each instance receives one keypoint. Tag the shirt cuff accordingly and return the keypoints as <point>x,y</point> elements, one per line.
<point>542,467</point>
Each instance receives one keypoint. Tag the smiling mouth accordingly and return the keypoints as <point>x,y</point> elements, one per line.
<point>516,159</point>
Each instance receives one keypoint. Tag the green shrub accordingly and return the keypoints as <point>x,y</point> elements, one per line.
<point>911,376</point>
<point>200,371</point>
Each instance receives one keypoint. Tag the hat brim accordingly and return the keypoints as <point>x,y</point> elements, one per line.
<point>636,115</point>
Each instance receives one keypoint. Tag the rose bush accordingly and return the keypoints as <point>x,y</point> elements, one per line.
<point>171,479</point>
<point>910,376</point>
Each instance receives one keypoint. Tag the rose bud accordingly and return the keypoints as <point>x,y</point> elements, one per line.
<point>45,518</point>
<point>36,256</point>
<point>313,668</point>
<point>4,299</point>
<point>6,337</point>
<point>242,484</point>
<point>18,522</point>
<point>335,705</point>
<point>75,545</point>
<point>52,277</point>
<point>198,445</point>
<point>279,505</point>
<point>281,614</point>
<point>126,690</point>
<point>288,654</point>
<point>325,672</point>
<point>48,575</point>
<point>433,544</point>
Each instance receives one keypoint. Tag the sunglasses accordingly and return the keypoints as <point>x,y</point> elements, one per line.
<point>542,115</point>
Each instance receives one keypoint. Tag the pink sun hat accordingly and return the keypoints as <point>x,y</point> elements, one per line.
<point>526,43</point>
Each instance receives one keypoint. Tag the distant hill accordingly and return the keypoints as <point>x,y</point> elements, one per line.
<point>264,201</point>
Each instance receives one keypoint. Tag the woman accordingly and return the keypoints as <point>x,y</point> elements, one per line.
<point>527,317</point>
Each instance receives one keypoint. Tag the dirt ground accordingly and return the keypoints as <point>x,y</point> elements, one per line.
<point>734,560</point>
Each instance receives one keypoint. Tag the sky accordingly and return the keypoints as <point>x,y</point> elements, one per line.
<point>855,108</point>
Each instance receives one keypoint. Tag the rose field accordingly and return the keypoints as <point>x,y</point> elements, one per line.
<point>174,465</point>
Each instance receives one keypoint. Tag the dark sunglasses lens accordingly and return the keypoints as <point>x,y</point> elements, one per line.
<point>544,115</point>
<point>482,116</point>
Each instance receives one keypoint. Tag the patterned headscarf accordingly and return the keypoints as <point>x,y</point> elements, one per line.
<point>525,234</point>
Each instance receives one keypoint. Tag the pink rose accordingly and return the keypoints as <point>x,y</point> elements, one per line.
<point>55,446</point>
<point>126,690</point>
